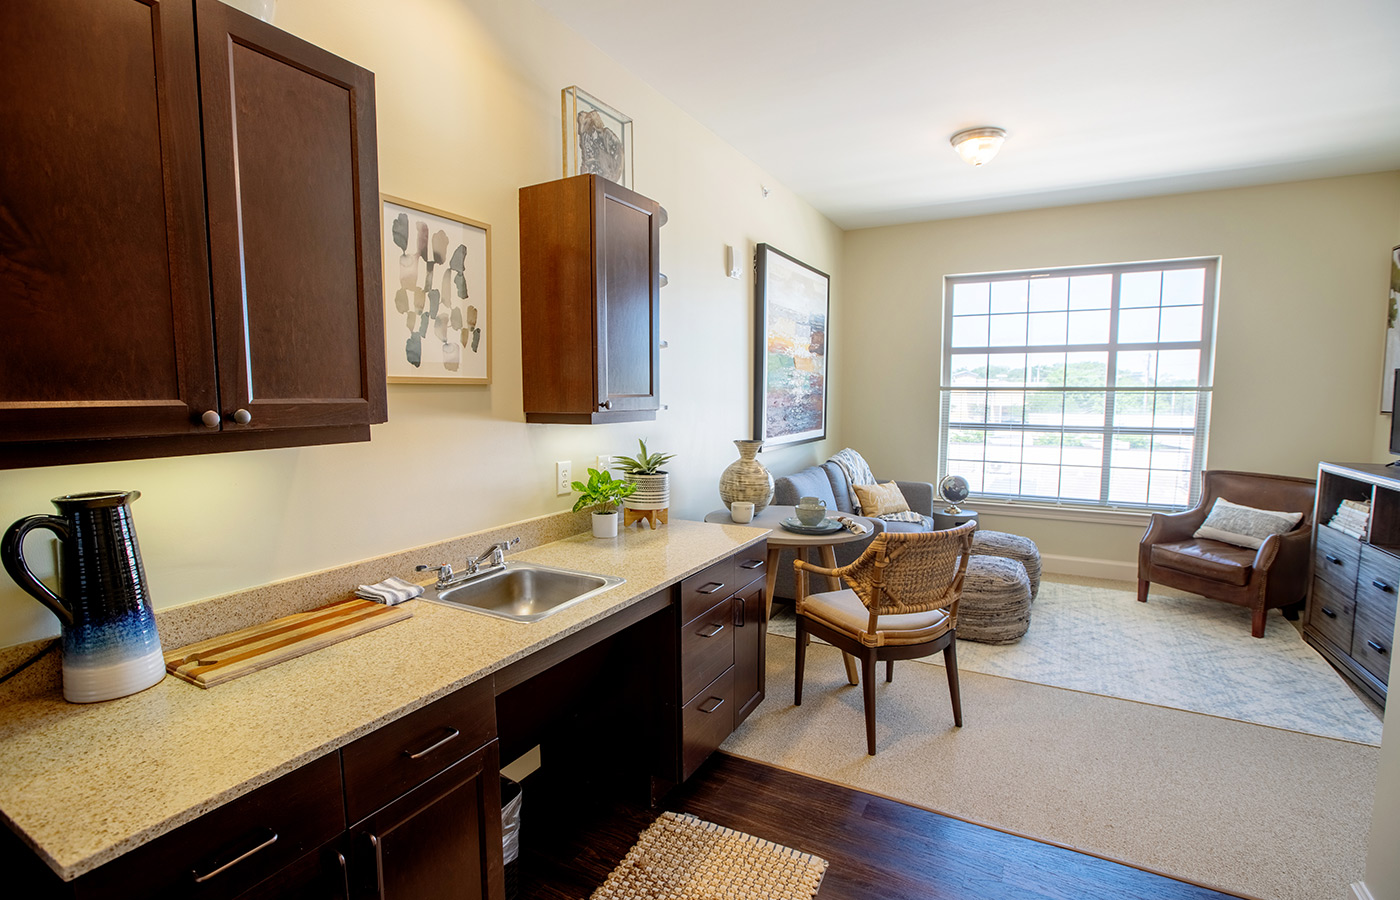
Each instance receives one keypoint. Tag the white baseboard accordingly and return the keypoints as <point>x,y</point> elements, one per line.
<point>1088,567</point>
<point>1359,891</point>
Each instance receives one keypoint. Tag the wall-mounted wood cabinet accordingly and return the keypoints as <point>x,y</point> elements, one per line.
<point>589,302</point>
<point>189,235</point>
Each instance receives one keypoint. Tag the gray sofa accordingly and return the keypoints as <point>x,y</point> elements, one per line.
<point>828,482</point>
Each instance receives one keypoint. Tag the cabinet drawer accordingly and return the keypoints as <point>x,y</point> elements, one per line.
<point>751,563</point>
<point>1377,578</point>
<point>1337,557</point>
<point>1373,635</point>
<point>705,722</point>
<point>707,647</point>
<point>236,846</point>
<point>702,590</point>
<point>1331,613</point>
<point>387,763</point>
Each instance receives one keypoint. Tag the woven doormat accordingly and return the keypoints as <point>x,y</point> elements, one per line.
<point>681,857</point>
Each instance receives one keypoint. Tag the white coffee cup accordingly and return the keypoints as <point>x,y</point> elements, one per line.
<point>741,511</point>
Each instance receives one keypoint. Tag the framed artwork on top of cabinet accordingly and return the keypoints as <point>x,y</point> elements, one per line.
<point>1392,335</point>
<point>791,303</point>
<point>597,138</point>
<point>437,295</point>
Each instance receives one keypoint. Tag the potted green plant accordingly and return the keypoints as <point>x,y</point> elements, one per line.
<point>603,493</point>
<point>653,483</point>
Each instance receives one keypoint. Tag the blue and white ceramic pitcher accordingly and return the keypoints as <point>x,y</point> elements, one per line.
<point>110,644</point>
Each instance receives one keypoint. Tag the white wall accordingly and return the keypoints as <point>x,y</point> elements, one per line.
<point>468,112</point>
<point>1300,328</point>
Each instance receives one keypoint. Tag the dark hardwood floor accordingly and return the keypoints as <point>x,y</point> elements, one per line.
<point>877,848</point>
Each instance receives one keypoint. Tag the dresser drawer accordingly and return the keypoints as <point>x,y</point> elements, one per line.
<point>1331,613</point>
<point>702,590</point>
<point>1337,557</point>
<point>751,563</point>
<point>706,721</point>
<point>1377,577</point>
<point>238,845</point>
<point>1373,636</point>
<point>387,763</point>
<point>707,647</point>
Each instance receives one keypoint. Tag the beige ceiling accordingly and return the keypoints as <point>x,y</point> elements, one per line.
<point>851,104</point>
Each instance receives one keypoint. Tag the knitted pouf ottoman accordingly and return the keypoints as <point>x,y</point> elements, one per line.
<point>996,601</point>
<point>1011,546</point>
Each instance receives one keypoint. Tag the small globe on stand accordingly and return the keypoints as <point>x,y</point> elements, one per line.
<point>954,489</point>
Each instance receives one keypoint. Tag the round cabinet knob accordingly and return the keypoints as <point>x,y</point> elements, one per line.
<point>210,418</point>
<point>606,404</point>
<point>242,416</point>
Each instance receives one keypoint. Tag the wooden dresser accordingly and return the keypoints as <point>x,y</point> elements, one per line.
<point>1351,605</point>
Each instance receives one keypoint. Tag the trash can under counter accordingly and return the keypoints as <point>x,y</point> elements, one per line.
<point>511,797</point>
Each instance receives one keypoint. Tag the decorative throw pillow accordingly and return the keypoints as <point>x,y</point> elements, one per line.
<point>1245,526</point>
<point>879,499</point>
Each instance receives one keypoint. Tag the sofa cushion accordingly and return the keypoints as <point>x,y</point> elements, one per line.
<point>925,525</point>
<point>880,499</point>
<point>840,486</point>
<point>1215,560</point>
<point>810,482</point>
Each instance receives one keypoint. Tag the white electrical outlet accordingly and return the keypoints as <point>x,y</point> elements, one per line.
<point>603,463</point>
<point>563,477</point>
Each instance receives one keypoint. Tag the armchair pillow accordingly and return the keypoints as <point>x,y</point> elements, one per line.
<point>880,499</point>
<point>1245,526</point>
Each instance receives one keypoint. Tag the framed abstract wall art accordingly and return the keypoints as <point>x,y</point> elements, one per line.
<point>1392,335</point>
<point>437,295</point>
<point>792,305</point>
<point>597,138</point>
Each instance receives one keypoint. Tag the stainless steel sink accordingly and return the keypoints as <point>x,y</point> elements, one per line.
<point>522,592</point>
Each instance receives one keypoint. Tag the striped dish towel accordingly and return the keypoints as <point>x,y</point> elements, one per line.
<point>390,591</point>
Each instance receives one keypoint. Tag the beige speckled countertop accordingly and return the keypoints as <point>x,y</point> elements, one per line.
<point>83,784</point>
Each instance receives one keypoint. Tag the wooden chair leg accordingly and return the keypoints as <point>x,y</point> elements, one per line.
<point>801,662</point>
<point>1291,611</point>
<point>889,671</point>
<point>867,672</point>
<point>1259,614</point>
<point>950,663</point>
<point>1142,591</point>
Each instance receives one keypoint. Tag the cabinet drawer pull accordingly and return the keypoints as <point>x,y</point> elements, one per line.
<point>1328,613</point>
<point>606,404</point>
<point>344,874</point>
<point>242,416</point>
<point>1335,560</point>
<point>711,704</point>
<point>740,613</point>
<point>378,865</point>
<point>1383,586</point>
<point>200,879</point>
<point>751,564</point>
<point>714,630</point>
<point>711,588</point>
<point>211,419</point>
<point>1376,647</point>
<point>426,750</point>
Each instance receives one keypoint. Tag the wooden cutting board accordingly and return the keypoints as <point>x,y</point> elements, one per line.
<point>229,656</point>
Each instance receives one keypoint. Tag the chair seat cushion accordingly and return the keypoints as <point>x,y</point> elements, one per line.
<point>843,611</point>
<point>924,524</point>
<point>1215,560</point>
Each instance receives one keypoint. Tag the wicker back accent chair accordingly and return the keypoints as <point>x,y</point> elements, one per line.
<point>1273,577</point>
<point>902,603</point>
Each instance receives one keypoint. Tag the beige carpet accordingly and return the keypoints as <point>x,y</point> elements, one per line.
<point>681,857</point>
<point>1178,650</point>
<point>1244,808</point>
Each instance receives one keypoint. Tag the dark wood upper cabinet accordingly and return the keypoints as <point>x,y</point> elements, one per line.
<point>589,302</point>
<point>138,319</point>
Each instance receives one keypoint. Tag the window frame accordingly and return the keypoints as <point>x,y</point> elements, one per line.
<point>1112,347</point>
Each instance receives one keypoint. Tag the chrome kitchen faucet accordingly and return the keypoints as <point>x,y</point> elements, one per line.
<point>494,557</point>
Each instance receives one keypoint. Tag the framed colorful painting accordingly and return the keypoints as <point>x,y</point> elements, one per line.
<point>437,295</point>
<point>792,305</point>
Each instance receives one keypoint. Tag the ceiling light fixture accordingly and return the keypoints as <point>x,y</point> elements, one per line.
<point>978,145</point>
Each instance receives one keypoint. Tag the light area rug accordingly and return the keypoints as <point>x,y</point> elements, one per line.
<point>1177,649</point>
<point>682,857</point>
<point>1257,811</point>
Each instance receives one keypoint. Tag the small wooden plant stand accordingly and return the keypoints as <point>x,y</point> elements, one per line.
<point>654,518</point>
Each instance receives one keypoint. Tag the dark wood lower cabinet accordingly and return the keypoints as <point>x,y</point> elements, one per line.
<point>440,841</point>
<point>750,659</point>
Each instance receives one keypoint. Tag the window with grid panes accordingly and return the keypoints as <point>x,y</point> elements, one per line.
<point>1087,386</point>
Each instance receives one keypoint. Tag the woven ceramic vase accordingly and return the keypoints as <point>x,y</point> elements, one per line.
<point>747,479</point>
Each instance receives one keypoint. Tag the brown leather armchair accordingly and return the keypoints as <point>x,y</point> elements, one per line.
<point>1274,576</point>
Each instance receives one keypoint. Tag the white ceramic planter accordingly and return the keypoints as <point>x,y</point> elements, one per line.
<point>605,524</point>
<point>653,491</point>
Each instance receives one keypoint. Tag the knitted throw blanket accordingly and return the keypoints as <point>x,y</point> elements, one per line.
<point>857,472</point>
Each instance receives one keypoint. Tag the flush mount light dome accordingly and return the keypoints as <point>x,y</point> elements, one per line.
<point>978,145</point>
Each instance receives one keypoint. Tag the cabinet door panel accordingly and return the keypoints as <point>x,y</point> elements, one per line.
<point>750,630</point>
<point>293,226</point>
<point>104,298</point>
<point>629,351</point>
